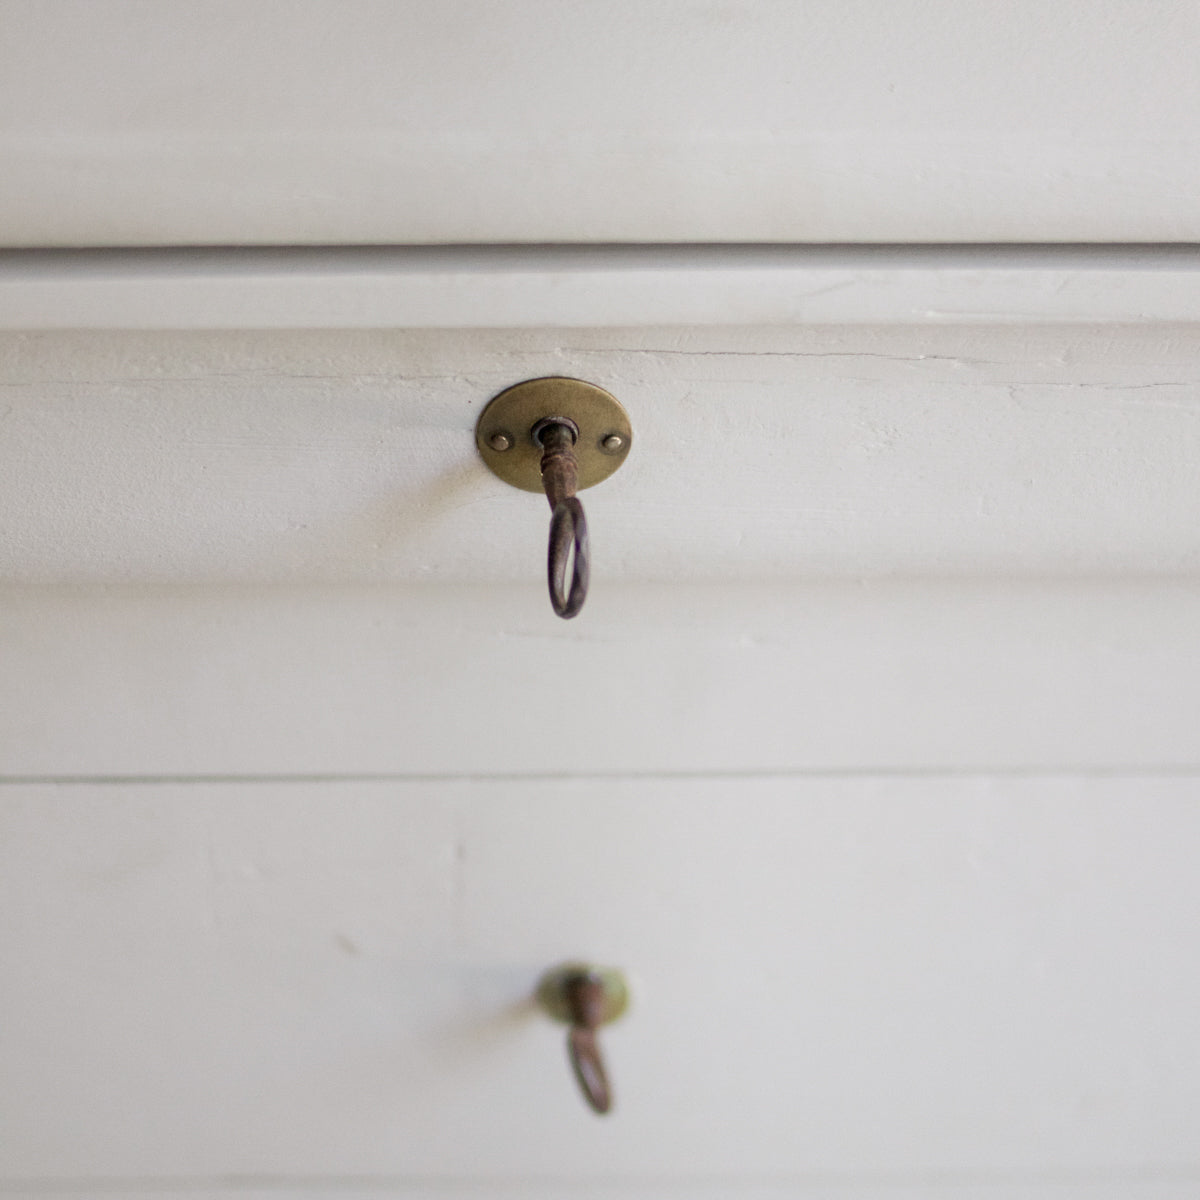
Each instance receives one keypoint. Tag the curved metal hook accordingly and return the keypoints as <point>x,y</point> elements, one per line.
<point>585,999</point>
<point>584,1052</point>
<point>568,526</point>
<point>556,435</point>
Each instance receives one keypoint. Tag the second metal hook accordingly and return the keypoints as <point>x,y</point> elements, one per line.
<point>585,997</point>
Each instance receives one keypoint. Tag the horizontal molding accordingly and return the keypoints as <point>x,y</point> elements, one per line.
<point>613,286</point>
<point>1181,1187</point>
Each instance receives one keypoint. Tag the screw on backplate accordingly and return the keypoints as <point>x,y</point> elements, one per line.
<point>501,441</point>
<point>612,444</point>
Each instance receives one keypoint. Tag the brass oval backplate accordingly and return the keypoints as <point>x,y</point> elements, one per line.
<point>504,433</point>
<point>554,987</point>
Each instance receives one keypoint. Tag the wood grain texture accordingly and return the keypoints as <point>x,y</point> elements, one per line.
<point>863,981</point>
<point>670,120</point>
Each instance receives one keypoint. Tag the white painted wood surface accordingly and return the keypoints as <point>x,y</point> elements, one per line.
<point>891,743</point>
<point>483,680</point>
<point>241,121</point>
<point>873,758</point>
<point>760,453</point>
<point>837,982</point>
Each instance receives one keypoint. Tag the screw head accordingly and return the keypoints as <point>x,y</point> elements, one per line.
<point>612,444</point>
<point>501,441</point>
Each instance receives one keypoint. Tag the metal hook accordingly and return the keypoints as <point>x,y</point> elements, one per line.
<point>522,440</point>
<point>568,525</point>
<point>586,998</point>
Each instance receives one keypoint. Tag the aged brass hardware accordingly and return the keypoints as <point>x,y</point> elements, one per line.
<point>585,997</point>
<point>557,435</point>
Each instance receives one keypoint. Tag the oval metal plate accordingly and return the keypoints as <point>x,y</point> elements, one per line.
<point>514,412</point>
